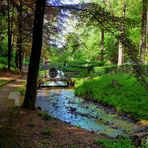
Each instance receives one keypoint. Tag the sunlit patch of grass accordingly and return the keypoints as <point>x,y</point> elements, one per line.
<point>2,82</point>
<point>22,90</point>
<point>120,90</point>
<point>117,143</point>
<point>143,122</point>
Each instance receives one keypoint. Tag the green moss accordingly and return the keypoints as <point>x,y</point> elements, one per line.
<point>120,90</point>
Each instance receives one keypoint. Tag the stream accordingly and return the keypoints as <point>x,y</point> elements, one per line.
<point>64,105</point>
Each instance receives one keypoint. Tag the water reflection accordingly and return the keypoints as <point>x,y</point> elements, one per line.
<point>62,104</point>
<point>54,84</point>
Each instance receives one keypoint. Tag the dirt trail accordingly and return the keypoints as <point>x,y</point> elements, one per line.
<point>9,92</point>
<point>9,96</point>
<point>21,128</point>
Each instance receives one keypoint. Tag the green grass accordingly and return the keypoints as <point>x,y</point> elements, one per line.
<point>117,143</point>
<point>73,146</point>
<point>127,95</point>
<point>79,71</point>
<point>45,115</point>
<point>4,65</point>
<point>47,131</point>
<point>2,82</point>
<point>22,90</point>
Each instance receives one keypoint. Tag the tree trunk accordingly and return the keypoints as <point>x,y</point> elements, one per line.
<point>120,54</point>
<point>102,46</point>
<point>120,46</point>
<point>147,34</point>
<point>143,31</point>
<point>9,36</point>
<point>31,88</point>
<point>19,50</point>
<point>19,54</point>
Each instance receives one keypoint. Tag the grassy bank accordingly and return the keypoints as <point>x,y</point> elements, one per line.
<point>116,143</point>
<point>2,82</point>
<point>120,90</point>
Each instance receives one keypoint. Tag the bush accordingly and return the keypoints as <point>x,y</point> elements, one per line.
<point>100,70</point>
<point>3,60</point>
<point>97,71</point>
<point>4,63</point>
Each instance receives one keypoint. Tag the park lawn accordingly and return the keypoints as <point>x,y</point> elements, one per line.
<point>126,95</point>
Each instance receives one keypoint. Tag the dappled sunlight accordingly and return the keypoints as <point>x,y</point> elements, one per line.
<point>82,65</point>
<point>15,85</point>
<point>10,93</point>
<point>143,123</point>
<point>5,78</point>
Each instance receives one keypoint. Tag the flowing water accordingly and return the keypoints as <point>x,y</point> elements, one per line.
<point>64,105</point>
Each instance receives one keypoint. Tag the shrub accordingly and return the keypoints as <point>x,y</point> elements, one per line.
<point>3,60</point>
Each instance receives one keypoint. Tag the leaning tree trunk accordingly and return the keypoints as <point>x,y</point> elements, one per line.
<point>120,46</point>
<point>143,31</point>
<point>31,88</point>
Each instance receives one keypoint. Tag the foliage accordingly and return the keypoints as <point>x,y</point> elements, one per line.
<point>121,90</point>
<point>111,46</point>
<point>2,66</point>
<point>3,60</point>
<point>103,70</point>
<point>94,14</point>
<point>75,71</point>
<point>100,70</point>
<point>117,143</point>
